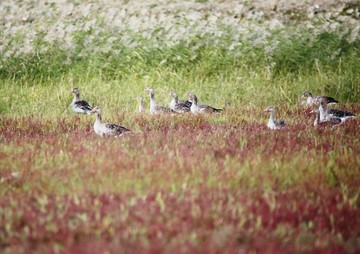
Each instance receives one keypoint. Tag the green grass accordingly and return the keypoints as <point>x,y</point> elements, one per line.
<point>327,64</point>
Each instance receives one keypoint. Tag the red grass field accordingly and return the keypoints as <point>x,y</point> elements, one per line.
<point>181,184</point>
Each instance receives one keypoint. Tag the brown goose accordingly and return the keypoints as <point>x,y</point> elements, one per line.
<point>79,106</point>
<point>200,108</point>
<point>311,100</point>
<point>177,105</point>
<point>154,108</point>
<point>106,129</point>
<point>272,123</point>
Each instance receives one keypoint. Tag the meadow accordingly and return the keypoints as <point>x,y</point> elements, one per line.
<point>219,183</point>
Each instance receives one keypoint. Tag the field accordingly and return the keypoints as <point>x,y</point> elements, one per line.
<point>220,183</point>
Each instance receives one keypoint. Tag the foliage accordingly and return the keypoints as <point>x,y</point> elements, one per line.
<point>196,183</point>
<point>92,46</point>
<point>219,183</point>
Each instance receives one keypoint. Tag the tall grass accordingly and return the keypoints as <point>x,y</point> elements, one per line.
<point>327,63</point>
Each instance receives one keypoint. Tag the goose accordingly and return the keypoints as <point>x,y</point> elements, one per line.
<point>311,100</point>
<point>79,106</point>
<point>106,129</point>
<point>272,123</point>
<point>154,108</point>
<point>200,108</point>
<point>332,121</point>
<point>177,105</point>
<point>141,104</point>
<point>326,114</point>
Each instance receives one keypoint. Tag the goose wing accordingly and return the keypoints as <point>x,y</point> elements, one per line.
<point>339,113</point>
<point>83,105</point>
<point>209,109</point>
<point>330,100</point>
<point>327,99</point>
<point>182,108</point>
<point>280,123</point>
<point>165,109</point>
<point>186,103</point>
<point>116,129</point>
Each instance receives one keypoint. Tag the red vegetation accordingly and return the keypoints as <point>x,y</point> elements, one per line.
<point>182,184</point>
<point>210,220</point>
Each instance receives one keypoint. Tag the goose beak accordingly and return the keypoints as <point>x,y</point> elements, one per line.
<point>312,112</point>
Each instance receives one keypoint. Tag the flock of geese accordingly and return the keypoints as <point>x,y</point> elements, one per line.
<point>324,116</point>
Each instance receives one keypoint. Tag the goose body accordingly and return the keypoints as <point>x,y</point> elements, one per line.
<point>311,100</point>
<point>179,106</point>
<point>325,114</point>
<point>79,106</point>
<point>200,108</point>
<point>331,121</point>
<point>272,123</point>
<point>154,108</point>
<point>106,129</point>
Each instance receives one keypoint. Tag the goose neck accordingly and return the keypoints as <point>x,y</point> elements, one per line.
<point>309,100</point>
<point>98,118</point>
<point>195,101</point>
<point>152,96</point>
<point>76,97</point>
<point>172,103</point>
<point>317,119</point>
<point>322,111</point>
<point>141,106</point>
<point>152,100</point>
<point>272,116</point>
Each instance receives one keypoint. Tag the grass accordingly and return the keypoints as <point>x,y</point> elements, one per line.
<point>325,64</point>
<point>191,184</point>
<point>204,182</point>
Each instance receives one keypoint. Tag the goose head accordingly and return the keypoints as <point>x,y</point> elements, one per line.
<point>269,109</point>
<point>190,95</point>
<point>75,90</point>
<point>192,98</point>
<point>149,90</point>
<point>323,102</point>
<point>140,98</point>
<point>96,110</point>
<point>174,95</point>
<point>306,94</point>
